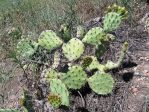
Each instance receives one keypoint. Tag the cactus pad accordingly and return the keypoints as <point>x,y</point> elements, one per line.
<point>50,74</point>
<point>94,36</point>
<point>118,9</point>
<point>49,40</point>
<point>111,21</point>
<point>101,83</point>
<point>73,49</point>
<point>54,100</point>
<point>75,78</point>
<point>26,48</point>
<point>95,65</point>
<point>110,64</point>
<point>57,87</point>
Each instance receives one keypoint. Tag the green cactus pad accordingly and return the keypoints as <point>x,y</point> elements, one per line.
<point>50,74</point>
<point>101,83</point>
<point>111,21</point>
<point>57,87</point>
<point>49,40</point>
<point>94,36</point>
<point>73,49</point>
<point>26,48</point>
<point>110,64</point>
<point>95,65</point>
<point>54,100</point>
<point>75,78</point>
<point>118,9</point>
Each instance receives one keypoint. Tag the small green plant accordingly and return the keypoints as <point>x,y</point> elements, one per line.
<point>78,61</point>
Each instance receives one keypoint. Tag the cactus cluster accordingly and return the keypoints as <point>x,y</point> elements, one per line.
<point>80,63</point>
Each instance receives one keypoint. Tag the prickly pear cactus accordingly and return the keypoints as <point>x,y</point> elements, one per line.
<point>54,100</point>
<point>95,65</point>
<point>110,64</point>
<point>57,87</point>
<point>118,9</point>
<point>73,49</point>
<point>94,36</point>
<point>49,40</point>
<point>50,74</point>
<point>101,83</point>
<point>111,21</point>
<point>75,78</point>
<point>26,48</point>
